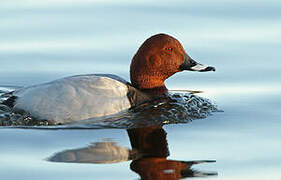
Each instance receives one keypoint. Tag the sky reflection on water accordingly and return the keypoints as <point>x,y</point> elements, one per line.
<point>45,40</point>
<point>57,39</point>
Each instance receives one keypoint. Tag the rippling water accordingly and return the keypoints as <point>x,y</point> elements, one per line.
<point>173,109</point>
<point>45,40</point>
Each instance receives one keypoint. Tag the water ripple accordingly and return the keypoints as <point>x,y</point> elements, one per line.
<point>173,109</point>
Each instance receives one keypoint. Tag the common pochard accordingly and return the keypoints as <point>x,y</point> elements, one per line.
<point>82,97</point>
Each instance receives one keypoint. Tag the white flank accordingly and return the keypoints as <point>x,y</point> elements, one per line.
<point>74,98</point>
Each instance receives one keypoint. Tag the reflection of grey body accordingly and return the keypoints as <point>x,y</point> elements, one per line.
<point>149,155</point>
<point>99,152</point>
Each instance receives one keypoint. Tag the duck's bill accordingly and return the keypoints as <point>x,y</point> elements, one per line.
<point>191,65</point>
<point>202,68</point>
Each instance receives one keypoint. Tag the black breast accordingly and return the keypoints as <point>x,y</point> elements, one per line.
<point>10,101</point>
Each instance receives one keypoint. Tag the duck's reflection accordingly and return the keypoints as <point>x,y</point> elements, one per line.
<point>97,153</point>
<point>152,148</point>
<point>149,155</point>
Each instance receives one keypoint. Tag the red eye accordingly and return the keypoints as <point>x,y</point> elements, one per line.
<point>169,49</point>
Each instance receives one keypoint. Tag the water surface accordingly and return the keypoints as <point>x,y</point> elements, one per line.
<point>43,41</point>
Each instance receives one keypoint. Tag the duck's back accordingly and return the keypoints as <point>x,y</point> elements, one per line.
<point>74,98</point>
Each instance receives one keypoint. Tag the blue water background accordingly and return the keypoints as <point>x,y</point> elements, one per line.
<point>44,40</point>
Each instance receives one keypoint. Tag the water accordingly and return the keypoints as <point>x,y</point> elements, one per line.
<point>42,41</point>
<point>171,109</point>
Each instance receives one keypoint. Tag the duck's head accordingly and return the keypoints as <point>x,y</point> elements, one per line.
<point>158,58</point>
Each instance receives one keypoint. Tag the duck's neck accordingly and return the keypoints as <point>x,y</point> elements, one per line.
<point>154,87</point>
<point>156,91</point>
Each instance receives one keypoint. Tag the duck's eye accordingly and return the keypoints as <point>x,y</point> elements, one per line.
<point>169,49</point>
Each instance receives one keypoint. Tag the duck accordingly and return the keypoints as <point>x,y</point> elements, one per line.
<point>81,97</point>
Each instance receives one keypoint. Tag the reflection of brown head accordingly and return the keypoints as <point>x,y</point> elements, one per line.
<point>159,168</point>
<point>151,162</point>
<point>151,146</point>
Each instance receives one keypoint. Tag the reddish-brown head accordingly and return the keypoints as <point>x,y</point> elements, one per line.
<point>158,58</point>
